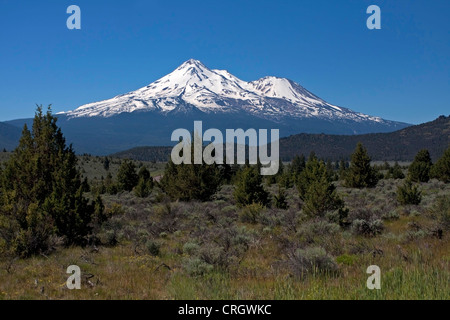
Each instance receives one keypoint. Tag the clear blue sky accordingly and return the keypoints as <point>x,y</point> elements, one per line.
<point>401,72</point>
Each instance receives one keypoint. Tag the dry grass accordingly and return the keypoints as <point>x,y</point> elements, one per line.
<point>249,261</point>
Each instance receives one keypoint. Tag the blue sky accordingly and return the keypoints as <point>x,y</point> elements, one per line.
<point>401,72</point>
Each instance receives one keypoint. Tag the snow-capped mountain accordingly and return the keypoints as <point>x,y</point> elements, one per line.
<point>148,116</point>
<point>195,86</point>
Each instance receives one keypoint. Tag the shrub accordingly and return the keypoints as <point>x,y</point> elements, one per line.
<point>191,248</point>
<point>408,193</point>
<point>338,216</point>
<point>111,238</point>
<point>346,259</point>
<point>313,229</point>
<point>391,215</point>
<point>153,247</point>
<point>251,213</point>
<point>229,209</point>
<point>441,211</point>
<point>312,259</point>
<point>367,228</point>
<point>116,209</point>
<point>196,267</point>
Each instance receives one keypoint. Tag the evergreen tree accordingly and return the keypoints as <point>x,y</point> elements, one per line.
<point>280,199</point>
<point>110,186</point>
<point>419,170</point>
<point>342,169</point>
<point>321,197</point>
<point>396,171</point>
<point>144,174</point>
<point>249,188</point>
<point>226,172</point>
<point>145,183</point>
<point>441,169</point>
<point>106,163</point>
<point>191,181</point>
<point>317,190</point>
<point>42,192</point>
<point>330,170</point>
<point>127,177</point>
<point>298,164</point>
<point>361,174</point>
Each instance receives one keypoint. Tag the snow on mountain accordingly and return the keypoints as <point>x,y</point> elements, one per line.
<point>217,91</point>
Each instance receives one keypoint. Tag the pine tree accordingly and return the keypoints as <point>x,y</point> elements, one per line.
<point>396,171</point>
<point>191,181</point>
<point>321,197</point>
<point>441,169</point>
<point>106,163</point>
<point>110,186</point>
<point>127,177</point>
<point>145,183</point>
<point>419,170</point>
<point>298,165</point>
<point>280,199</point>
<point>42,192</point>
<point>342,169</point>
<point>317,190</point>
<point>249,189</point>
<point>361,174</point>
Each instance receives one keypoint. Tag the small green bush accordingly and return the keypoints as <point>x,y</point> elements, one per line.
<point>153,247</point>
<point>312,259</point>
<point>441,211</point>
<point>346,259</point>
<point>191,248</point>
<point>367,228</point>
<point>313,229</point>
<point>391,215</point>
<point>196,267</point>
<point>409,193</point>
<point>251,213</point>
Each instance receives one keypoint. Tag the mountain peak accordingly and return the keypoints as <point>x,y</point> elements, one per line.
<point>192,63</point>
<point>193,86</point>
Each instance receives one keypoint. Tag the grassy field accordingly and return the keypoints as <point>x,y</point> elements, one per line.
<point>156,249</point>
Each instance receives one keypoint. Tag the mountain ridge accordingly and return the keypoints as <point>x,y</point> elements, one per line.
<point>401,145</point>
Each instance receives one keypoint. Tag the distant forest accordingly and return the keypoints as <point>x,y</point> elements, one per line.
<point>400,145</point>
